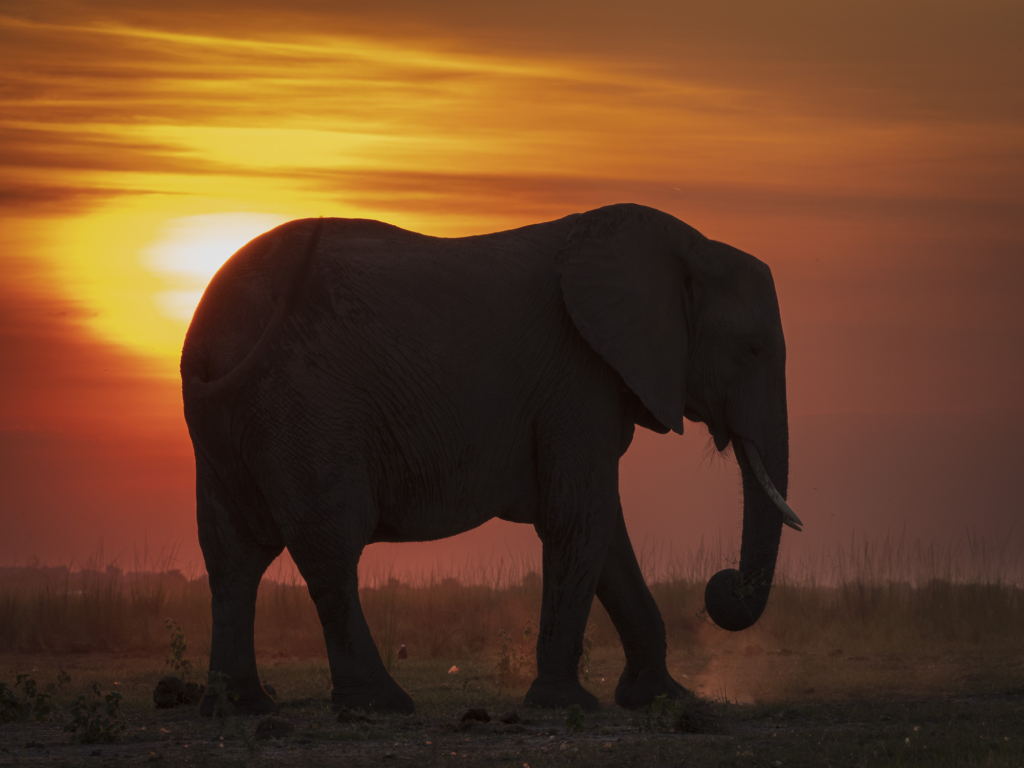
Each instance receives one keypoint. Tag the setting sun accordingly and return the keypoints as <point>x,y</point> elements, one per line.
<point>191,249</point>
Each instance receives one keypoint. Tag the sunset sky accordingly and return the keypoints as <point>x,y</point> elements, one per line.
<point>872,153</point>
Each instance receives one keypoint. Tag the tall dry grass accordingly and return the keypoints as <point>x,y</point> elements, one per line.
<point>875,596</point>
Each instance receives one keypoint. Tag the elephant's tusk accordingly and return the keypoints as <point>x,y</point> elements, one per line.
<point>788,516</point>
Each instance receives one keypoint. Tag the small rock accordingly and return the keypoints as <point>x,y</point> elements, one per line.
<point>402,653</point>
<point>273,728</point>
<point>96,753</point>
<point>169,692</point>
<point>510,718</point>
<point>476,714</point>
<point>172,691</point>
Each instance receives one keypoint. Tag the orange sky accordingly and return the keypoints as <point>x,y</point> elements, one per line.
<point>872,153</point>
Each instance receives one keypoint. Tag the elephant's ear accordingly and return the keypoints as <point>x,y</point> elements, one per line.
<point>622,276</point>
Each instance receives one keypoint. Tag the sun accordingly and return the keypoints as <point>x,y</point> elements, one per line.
<point>138,270</point>
<point>190,250</point>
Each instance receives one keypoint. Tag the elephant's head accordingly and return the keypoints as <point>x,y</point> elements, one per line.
<point>693,328</point>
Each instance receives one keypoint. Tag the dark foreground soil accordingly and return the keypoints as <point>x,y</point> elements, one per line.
<point>967,711</point>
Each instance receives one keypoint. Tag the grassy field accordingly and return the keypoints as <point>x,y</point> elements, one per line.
<point>885,662</point>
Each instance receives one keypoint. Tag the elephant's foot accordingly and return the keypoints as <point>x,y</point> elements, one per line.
<point>639,689</point>
<point>241,699</point>
<point>561,693</point>
<point>380,696</point>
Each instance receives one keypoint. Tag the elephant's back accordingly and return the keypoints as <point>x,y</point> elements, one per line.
<point>240,300</point>
<point>383,279</point>
<point>367,289</point>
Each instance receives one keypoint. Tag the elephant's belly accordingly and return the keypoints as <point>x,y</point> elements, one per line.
<point>429,521</point>
<point>440,527</point>
<point>443,499</point>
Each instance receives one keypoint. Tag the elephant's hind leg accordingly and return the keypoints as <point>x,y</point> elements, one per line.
<point>327,554</point>
<point>624,594</point>
<point>235,563</point>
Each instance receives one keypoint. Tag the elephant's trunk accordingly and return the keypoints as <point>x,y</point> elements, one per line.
<point>734,598</point>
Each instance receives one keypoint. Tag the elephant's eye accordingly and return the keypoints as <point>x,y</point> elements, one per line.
<point>755,347</point>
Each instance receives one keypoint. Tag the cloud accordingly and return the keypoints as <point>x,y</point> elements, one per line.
<point>76,149</point>
<point>801,100</point>
<point>56,200</point>
<point>911,59</point>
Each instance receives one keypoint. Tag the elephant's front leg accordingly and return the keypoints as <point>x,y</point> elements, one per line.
<point>624,594</point>
<point>575,531</point>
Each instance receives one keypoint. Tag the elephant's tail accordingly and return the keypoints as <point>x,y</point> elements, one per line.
<point>192,380</point>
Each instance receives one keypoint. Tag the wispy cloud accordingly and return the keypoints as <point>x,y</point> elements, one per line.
<point>106,96</point>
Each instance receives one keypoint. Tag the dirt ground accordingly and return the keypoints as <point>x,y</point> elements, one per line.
<point>772,707</point>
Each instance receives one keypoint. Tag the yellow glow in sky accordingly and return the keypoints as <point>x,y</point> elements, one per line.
<point>191,249</point>
<point>139,267</point>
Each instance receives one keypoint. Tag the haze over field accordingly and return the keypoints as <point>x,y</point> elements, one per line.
<point>871,153</point>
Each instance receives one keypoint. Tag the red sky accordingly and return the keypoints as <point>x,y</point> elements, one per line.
<point>871,153</point>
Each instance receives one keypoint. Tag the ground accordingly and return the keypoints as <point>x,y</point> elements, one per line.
<point>775,707</point>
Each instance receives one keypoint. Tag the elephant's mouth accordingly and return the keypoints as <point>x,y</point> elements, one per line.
<point>719,432</point>
<point>721,437</point>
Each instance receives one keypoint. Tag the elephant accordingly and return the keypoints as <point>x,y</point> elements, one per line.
<point>346,381</point>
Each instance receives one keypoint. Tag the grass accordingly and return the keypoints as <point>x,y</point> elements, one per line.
<point>898,655</point>
<point>874,598</point>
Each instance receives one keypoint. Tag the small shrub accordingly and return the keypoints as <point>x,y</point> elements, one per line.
<point>179,647</point>
<point>575,720</point>
<point>99,720</point>
<point>666,711</point>
<point>31,703</point>
<point>515,661</point>
<point>662,715</point>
